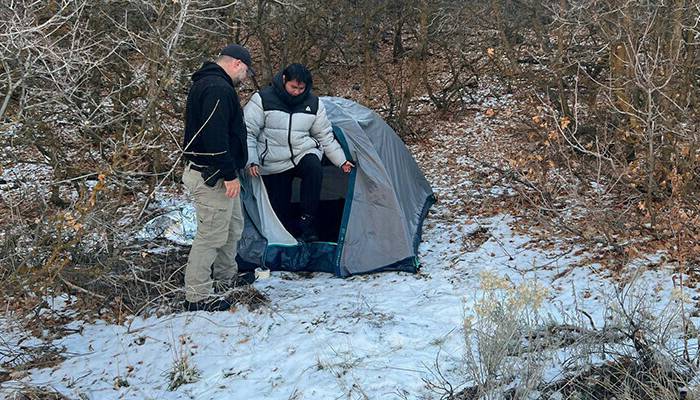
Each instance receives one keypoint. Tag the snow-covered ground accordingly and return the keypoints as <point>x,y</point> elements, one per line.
<point>373,336</point>
<point>379,336</point>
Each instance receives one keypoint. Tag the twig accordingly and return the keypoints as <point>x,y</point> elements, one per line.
<point>78,288</point>
<point>150,196</point>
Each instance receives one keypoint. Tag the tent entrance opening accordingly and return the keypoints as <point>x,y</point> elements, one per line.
<point>330,214</point>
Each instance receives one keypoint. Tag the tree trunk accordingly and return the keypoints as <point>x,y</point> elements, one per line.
<point>416,64</point>
<point>397,48</point>
<point>503,31</point>
<point>10,89</point>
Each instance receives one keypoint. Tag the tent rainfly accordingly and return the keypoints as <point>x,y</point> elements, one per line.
<point>370,220</point>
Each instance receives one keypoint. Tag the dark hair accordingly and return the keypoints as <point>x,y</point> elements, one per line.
<point>298,72</point>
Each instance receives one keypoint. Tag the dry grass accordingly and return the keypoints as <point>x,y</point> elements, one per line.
<point>637,354</point>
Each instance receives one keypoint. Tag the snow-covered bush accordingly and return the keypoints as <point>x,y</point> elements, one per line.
<point>498,328</point>
<point>182,373</point>
<point>636,351</point>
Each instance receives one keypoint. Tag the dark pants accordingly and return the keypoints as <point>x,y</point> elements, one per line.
<point>279,189</point>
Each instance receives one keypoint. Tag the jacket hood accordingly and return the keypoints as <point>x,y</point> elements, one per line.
<point>278,84</point>
<point>211,69</point>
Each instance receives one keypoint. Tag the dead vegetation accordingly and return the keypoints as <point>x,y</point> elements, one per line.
<point>514,351</point>
<point>31,392</point>
<point>590,109</point>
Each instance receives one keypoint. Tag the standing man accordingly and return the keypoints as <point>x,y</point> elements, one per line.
<point>215,148</point>
<point>288,132</point>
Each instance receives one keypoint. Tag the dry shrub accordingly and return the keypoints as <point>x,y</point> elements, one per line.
<point>608,150</point>
<point>641,351</point>
<point>32,392</point>
<point>95,117</point>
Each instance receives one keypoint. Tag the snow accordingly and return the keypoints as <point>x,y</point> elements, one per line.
<point>27,177</point>
<point>374,335</point>
<point>178,226</point>
<point>59,305</point>
<point>10,131</point>
<point>366,337</point>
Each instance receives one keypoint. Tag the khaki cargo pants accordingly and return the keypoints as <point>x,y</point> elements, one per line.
<point>219,227</point>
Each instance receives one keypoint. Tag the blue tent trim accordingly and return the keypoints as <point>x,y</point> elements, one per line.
<point>423,214</point>
<point>348,203</point>
<point>314,257</point>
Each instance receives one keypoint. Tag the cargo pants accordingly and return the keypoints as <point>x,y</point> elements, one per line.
<point>219,227</point>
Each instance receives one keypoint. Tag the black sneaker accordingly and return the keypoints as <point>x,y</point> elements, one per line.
<point>240,280</point>
<point>212,305</point>
<point>308,231</point>
<point>308,237</point>
<point>244,278</point>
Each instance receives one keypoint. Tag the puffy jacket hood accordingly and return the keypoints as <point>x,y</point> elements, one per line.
<point>210,69</point>
<point>282,93</point>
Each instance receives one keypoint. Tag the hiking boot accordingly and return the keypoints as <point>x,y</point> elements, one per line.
<point>211,305</point>
<point>240,280</point>
<point>308,231</point>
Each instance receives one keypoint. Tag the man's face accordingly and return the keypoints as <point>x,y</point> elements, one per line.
<point>242,73</point>
<point>294,88</point>
<point>237,70</point>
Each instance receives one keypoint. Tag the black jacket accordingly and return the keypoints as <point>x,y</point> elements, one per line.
<point>221,143</point>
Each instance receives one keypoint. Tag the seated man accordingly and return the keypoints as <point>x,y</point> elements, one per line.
<point>288,133</point>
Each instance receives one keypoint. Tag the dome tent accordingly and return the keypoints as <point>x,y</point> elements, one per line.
<point>370,220</point>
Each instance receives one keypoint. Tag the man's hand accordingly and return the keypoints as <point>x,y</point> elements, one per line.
<point>233,188</point>
<point>253,170</point>
<point>347,167</point>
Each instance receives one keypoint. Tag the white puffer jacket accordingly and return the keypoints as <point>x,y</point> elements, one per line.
<point>280,134</point>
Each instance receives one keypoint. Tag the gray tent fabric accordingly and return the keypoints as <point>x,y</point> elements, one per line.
<point>386,200</point>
